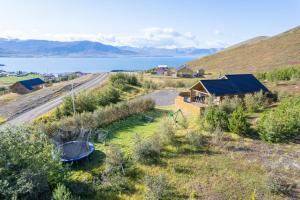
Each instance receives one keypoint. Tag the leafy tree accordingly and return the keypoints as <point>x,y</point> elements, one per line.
<point>238,122</point>
<point>27,169</point>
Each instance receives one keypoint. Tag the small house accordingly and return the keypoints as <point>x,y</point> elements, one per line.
<point>27,86</point>
<point>186,72</point>
<point>227,86</point>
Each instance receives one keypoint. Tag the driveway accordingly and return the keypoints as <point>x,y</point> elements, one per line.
<point>163,97</point>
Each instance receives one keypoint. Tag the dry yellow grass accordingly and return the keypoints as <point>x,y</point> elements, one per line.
<point>275,52</point>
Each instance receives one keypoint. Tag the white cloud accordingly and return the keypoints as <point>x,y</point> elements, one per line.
<point>148,37</point>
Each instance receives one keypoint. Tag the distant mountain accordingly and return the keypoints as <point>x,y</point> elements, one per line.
<point>45,48</point>
<point>150,51</point>
<point>259,54</point>
<point>37,48</point>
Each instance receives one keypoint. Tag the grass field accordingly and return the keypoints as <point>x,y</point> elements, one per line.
<point>236,168</point>
<point>12,79</point>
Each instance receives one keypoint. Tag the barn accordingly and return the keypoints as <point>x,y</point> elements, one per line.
<point>27,86</point>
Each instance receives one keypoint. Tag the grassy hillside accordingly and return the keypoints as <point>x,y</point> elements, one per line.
<point>263,55</point>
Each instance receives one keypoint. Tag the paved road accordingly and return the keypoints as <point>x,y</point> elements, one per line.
<point>42,109</point>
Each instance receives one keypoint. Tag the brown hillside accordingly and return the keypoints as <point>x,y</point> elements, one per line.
<point>274,52</point>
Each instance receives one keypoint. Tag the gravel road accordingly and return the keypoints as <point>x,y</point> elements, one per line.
<point>46,107</point>
<point>163,97</point>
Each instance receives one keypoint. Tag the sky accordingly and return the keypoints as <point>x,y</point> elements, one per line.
<point>148,23</point>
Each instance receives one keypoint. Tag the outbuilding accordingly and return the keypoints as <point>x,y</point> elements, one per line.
<point>27,86</point>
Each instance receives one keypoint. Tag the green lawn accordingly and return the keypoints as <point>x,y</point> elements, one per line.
<point>12,79</point>
<point>207,172</point>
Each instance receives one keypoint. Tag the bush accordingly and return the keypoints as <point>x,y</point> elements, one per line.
<point>61,193</point>
<point>102,116</point>
<point>157,187</point>
<point>254,102</point>
<point>194,138</point>
<point>277,185</point>
<point>121,79</point>
<point>150,85</point>
<point>282,123</point>
<point>84,102</point>
<point>238,123</point>
<point>167,132</point>
<point>215,117</point>
<point>27,169</point>
<point>107,96</point>
<point>283,74</point>
<point>114,160</point>
<point>147,151</point>
<point>229,104</point>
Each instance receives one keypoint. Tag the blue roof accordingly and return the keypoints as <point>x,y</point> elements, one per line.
<point>29,84</point>
<point>234,84</point>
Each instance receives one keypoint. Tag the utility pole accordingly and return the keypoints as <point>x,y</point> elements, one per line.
<point>73,99</point>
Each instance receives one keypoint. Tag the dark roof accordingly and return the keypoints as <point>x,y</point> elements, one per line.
<point>234,84</point>
<point>29,84</point>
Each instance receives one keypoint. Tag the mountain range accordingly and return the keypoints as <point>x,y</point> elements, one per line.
<point>254,55</point>
<point>46,48</point>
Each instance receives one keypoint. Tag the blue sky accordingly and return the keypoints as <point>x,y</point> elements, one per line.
<point>159,23</point>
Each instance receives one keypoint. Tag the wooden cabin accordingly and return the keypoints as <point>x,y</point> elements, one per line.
<point>27,86</point>
<point>229,85</point>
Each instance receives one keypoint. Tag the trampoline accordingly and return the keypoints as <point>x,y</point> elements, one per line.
<point>74,150</point>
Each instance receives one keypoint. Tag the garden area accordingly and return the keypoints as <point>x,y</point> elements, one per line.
<point>240,149</point>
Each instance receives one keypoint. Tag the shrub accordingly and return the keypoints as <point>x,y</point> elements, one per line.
<point>61,193</point>
<point>215,117</point>
<point>283,74</point>
<point>107,96</point>
<point>150,85</point>
<point>121,79</point>
<point>254,102</point>
<point>238,123</point>
<point>84,102</point>
<point>229,104</point>
<point>27,169</point>
<point>167,132</point>
<point>217,137</point>
<point>282,123</point>
<point>114,160</point>
<point>147,151</point>
<point>277,185</point>
<point>194,138</point>
<point>157,187</point>
<point>102,116</point>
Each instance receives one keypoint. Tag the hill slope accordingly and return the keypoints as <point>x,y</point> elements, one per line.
<point>263,55</point>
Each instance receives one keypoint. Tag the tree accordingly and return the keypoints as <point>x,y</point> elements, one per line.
<point>238,123</point>
<point>27,168</point>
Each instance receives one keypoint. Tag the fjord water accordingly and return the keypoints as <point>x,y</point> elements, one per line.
<point>59,65</point>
